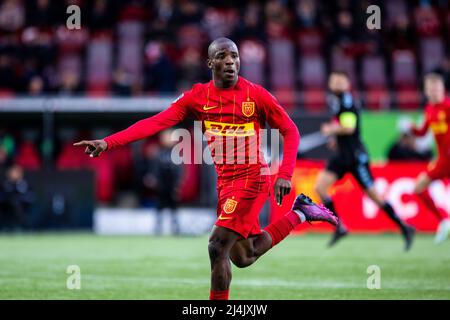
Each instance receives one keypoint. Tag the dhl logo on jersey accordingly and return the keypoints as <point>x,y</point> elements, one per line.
<point>439,127</point>
<point>229,129</point>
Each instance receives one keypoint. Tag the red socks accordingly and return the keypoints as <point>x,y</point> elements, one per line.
<point>429,203</point>
<point>218,295</point>
<point>280,229</point>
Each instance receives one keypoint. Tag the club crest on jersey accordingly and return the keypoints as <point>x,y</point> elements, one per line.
<point>229,206</point>
<point>248,108</point>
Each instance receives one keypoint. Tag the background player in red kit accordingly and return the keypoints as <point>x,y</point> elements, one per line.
<point>232,108</point>
<point>437,118</point>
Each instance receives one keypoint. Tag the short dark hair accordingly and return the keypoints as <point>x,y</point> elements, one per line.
<point>436,76</point>
<point>212,45</point>
<point>340,73</point>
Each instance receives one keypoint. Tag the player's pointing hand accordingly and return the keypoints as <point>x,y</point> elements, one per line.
<point>282,188</point>
<point>93,147</point>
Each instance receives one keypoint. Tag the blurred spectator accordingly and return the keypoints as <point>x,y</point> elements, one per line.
<point>426,19</point>
<point>146,173</point>
<point>192,68</point>
<point>15,199</point>
<point>344,33</point>
<point>253,57</point>
<point>101,15</point>
<point>7,149</point>
<point>159,73</point>
<point>278,20</point>
<point>401,36</point>
<point>187,12</point>
<point>38,47</point>
<point>41,13</point>
<point>444,69</point>
<point>8,78</point>
<point>12,15</point>
<point>36,86</point>
<point>33,80</point>
<point>251,26</point>
<point>353,39</point>
<point>27,154</point>
<point>122,83</point>
<point>165,10</point>
<point>307,13</point>
<point>220,22</point>
<point>162,175</point>
<point>405,149</point>
<point>3,158</point>
<point>160,23</point>
<point>70,84</point>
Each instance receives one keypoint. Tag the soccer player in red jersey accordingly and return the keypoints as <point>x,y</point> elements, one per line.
<point>437,118</point>
<point>232,108</point>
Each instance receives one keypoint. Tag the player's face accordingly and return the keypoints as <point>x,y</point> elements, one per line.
<point>434,90</point>
<point>338,83</point>
<point>225,63</point>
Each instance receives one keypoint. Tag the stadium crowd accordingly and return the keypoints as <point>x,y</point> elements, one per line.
<point>143,47</point>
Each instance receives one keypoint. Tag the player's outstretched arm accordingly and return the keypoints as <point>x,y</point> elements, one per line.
<point>334,128</point>
<point>420,131</point>
<point>93,147</point>
<point>176,112</point>
<point>344,125</point>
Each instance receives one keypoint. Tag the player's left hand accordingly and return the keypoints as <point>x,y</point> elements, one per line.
<point>332,143</point>
<point>282,188</point>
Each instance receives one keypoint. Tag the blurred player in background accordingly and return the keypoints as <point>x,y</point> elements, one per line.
<point>437,118</point>
<point>231,107</point>
<point>351,155</point>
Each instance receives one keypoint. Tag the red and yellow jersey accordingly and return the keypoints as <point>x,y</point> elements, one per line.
<point>231,121</point>
<point>437,119</point>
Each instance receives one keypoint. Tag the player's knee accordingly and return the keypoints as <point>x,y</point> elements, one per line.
<point>417,190</point>
<point>371,193</point>
<point>243,259</point>
<point>422,183</point>
<point>216,250</point>
<point>240,261</point>
<point>320,191</point>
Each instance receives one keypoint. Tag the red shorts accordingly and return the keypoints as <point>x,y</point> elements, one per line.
<point>238,208</point>
<point>439,169</point>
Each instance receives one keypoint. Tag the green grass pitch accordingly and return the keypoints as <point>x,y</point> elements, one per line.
<point>33,266</point>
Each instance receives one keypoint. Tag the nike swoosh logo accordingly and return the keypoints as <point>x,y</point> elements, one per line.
<point>225,218</point>
<point>206,108</point>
